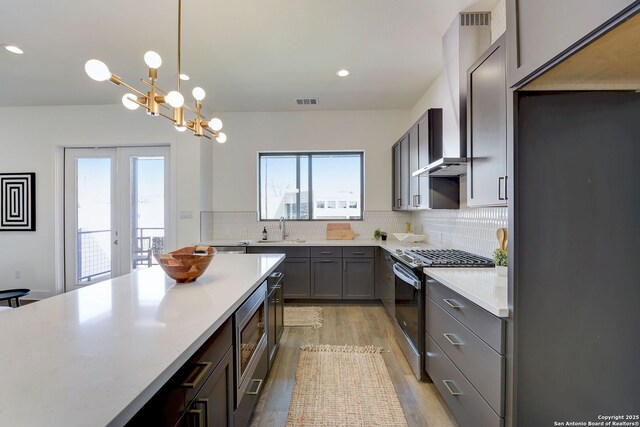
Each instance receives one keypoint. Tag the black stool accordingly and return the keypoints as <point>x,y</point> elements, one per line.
<point>13,294</point>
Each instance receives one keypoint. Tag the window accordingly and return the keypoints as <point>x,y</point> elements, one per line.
<point>311,186</point>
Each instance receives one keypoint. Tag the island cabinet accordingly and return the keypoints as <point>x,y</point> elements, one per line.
<point>464,356</point>
<point>296,268</point>
<point>326,272</point>
<point>200,393</point>
<point>540,30</point>
<point>487,128</point>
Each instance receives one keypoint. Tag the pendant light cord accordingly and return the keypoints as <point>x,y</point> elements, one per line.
<point>179,38</point>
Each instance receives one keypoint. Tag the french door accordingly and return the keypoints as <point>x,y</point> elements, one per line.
<point>116,211</point>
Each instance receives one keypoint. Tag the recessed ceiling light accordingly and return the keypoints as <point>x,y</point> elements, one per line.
<point>184,77</point>
<point>342,73</point>
<point>13,49</point>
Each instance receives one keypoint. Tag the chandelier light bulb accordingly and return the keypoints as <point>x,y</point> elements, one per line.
<point>180,128</point>
<point>184,77</point>
<point>221,138</point>
<point>175,99</point>
<point>152,59</point>
<point>13,49</point>
<point>128,101</point>
<point>215,124</point>
<point>198,93</point>
<point>97,70</point>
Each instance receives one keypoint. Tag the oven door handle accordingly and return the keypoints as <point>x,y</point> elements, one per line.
<point>406,276</point>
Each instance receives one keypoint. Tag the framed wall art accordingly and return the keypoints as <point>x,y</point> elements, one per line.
<point>18,201</point>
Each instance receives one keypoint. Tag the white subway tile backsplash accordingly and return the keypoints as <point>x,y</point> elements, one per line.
<point>472,230</point>
<point>243,225</point>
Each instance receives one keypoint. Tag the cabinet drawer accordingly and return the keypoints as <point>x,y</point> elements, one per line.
<point>359,251</point>
<point>482,366</point>
<point>468,407</point>
<point>326,251</point>
<point>485,325</point>
<point>289,251</point>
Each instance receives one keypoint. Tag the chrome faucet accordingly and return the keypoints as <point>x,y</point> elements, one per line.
<point>283,229</point>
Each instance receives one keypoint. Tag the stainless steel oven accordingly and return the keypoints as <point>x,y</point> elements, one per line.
<point>410,315</point>
<point>251,362</point>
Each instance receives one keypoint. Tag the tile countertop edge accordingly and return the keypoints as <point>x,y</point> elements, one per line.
<point>138,403</point>
<point>478,295</point>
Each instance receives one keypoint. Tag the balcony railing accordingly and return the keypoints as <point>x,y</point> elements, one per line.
<point>94,251</point>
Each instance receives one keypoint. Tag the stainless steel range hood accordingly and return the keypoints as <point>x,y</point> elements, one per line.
<point>467,38</point>
<point>446,166</point>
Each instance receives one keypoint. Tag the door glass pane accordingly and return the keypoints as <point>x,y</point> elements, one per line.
<point>94,220</point>
<point>147,210</point>
<point>336,186</point>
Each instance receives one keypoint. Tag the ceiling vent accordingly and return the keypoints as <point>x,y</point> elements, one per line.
<point>474,19</point>
<point>307,101</point>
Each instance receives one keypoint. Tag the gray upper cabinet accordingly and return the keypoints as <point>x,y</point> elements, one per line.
<point>539,30</point>
<point>487,129</point>
<point>413,151</point>
<point>401,174</point>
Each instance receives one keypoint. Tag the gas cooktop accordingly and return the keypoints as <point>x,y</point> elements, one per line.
<point>442,258</point>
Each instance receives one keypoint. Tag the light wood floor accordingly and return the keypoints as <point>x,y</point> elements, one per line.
<point>352,325</point>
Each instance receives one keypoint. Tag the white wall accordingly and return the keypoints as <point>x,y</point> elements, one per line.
<point>235,162</point>
<point>30,141</point>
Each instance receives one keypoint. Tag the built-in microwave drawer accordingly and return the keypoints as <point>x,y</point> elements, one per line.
<point>468,407</point>
<point>359,251</point>
<point>482,366</point>
<point>326,252</point>
<point>484,324</point>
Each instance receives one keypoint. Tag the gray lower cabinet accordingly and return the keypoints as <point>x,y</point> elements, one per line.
<point>385,281</point>
<point>297,283</point>
<point>465,356</point>
<point>358,278</point>
<point>326,278</point>
<point>487,128</point>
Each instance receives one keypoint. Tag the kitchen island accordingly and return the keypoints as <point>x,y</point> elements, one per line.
<point>95,356</point>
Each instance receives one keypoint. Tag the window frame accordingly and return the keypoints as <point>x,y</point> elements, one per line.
<point>310,154</point>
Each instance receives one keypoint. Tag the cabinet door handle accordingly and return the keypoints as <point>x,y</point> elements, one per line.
<point>451,341</point>
<point>500,178</point>
<point>506,193</point>
<point>253,393</point>
<point>399,203</point>
<point>451,303</point>
<point>358,253</point>
<point>204,366</point>
<point>453,393</point>
<point>326,252</point>
<point>388,276</point>
<point>326,260</point>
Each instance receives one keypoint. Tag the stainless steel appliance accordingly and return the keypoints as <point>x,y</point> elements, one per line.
<point>410,298</point>
<point>231,249</point>
<point>251,359</point>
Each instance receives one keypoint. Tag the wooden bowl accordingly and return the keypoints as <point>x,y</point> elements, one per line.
<point>184,267</point>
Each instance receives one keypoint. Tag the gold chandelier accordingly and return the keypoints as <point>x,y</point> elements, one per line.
<point>156,99</point>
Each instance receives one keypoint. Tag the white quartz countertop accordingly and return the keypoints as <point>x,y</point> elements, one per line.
<point>481,286</point>
<point>95,356</point>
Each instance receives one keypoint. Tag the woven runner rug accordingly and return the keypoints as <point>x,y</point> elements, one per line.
<point>303,316</point>
<point>343,386</point>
